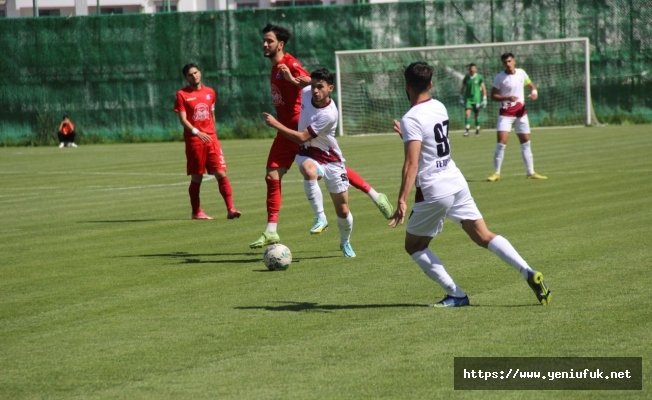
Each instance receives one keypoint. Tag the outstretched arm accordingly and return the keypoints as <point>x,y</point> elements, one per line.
<point>295,136</point>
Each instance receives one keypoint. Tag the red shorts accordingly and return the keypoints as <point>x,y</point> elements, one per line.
<point>204,157</point>
<point>282,152</point>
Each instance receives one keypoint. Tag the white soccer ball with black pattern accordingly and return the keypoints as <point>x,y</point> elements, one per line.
<point>277,257</point>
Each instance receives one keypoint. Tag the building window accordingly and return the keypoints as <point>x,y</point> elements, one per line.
<point>49,13</point>
<point>161,7</point>
<point>242,6</point>
<point>288,3</point>
<point>110,10</point>
<point>2,14</point>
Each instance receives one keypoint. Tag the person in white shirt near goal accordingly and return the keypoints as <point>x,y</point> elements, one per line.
<point>508,89</point>
<point>319,154</point>
<point>442,192</point>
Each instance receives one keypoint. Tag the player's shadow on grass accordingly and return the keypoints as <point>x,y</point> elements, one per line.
<point>128,221</point>
<point>199,258</point>
<point>293,306</point>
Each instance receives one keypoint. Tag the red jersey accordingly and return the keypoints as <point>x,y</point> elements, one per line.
<point>67,128</point>
<point>285,95</point>
<point>199,106</point>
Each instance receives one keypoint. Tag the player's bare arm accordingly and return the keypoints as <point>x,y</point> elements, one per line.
<point>295,136</point>
<point>496,96</point>
<point>533,91</point>
<point>201,135</point>
<point>298,81</point>
<point>409,174</point>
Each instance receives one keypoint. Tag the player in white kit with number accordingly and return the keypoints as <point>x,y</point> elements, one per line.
<point>508,89</point>
<point>320,155</point>
<point>442,192</point>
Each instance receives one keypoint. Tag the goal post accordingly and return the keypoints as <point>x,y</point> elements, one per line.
<point>371,88</point>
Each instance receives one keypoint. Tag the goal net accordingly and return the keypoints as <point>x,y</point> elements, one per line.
<point>371,88</point>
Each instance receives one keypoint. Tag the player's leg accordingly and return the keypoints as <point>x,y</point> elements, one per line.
<point>71,139</point>
<point>312,172</point>
<point>467,118</point>
<point>62,139</point>
<point>337,184</point>
<point>216,166</point>
<point>466,213</point>
<point>503,127</point>
<point>344,221</point>
<point>476,111</point>
<point>380,200</point>
<point>522,128</point>
<point>195,167</point>
<point>281,157</point>
<point>426,221</point>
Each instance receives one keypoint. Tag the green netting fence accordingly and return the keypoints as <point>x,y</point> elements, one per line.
<point>116,75</point>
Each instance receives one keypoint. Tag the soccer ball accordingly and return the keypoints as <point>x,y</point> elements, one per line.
<point>277,257</point>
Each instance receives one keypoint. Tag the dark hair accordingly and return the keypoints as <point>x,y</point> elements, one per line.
<point>471,65</point>
<point>187,67</point>
<point>282,34</point>
<point>64,117</point>
<point>323,74</point>
<point>505,56</point>
<point>418,76</point>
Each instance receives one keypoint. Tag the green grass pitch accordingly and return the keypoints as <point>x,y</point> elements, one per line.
<point>109,290</point>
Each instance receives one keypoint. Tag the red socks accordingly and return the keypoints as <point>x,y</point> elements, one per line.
<point>193,191</point>
<point>356,181</point>
<point>226,192</point>
<point>273,199</point>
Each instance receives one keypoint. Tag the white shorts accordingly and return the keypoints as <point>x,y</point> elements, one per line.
<point>335,176</point>
<point>427,218</point>
<point>521,125</point>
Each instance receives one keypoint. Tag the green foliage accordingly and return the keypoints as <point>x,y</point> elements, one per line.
<point>109,290</point>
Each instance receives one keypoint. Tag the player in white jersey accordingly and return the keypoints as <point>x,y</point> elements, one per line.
<point>320,155</point>
<point>442,192</point>
<point>508,89</point>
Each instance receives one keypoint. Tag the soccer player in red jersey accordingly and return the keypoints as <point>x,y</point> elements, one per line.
<point>287,79</point>
<point>195,105</point>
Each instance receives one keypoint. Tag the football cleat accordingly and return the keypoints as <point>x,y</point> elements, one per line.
<point>539,286</point>
<point>536,176</point>
<point>477,133</point>
<point>73,144</point>
<point>201,215</point>
<point>466,134</point>
<point>232,214</point>
<point>62,145</point>
<point>384,206</point>
<point>319,226</point>
<point>266,239</point>
<point>347,250</point>
<point>450,301</point>
<point>493,178</point>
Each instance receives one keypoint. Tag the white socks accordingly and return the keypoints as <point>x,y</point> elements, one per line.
<point>315,197</point>
<point>527,157</point>
<point>372,194</point>
<point>503,249</point>
<point>271,226</point>
<point>499,154</point>
<point>345,225</point>
<point>435,270</point>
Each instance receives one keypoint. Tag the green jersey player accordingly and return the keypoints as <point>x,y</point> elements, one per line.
<point>473,96</point>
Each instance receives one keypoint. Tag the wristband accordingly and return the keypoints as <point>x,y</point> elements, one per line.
<point>195,131</point>
<point>534,92</point>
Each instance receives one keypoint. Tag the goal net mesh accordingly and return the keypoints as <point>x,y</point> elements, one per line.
<point>372,87</point>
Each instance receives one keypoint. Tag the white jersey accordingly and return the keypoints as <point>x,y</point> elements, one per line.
<point>512,85</point>
<point>322,124</point>
<point>437,176</point>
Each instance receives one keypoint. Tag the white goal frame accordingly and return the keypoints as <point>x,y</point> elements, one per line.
<point>587,64</point>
